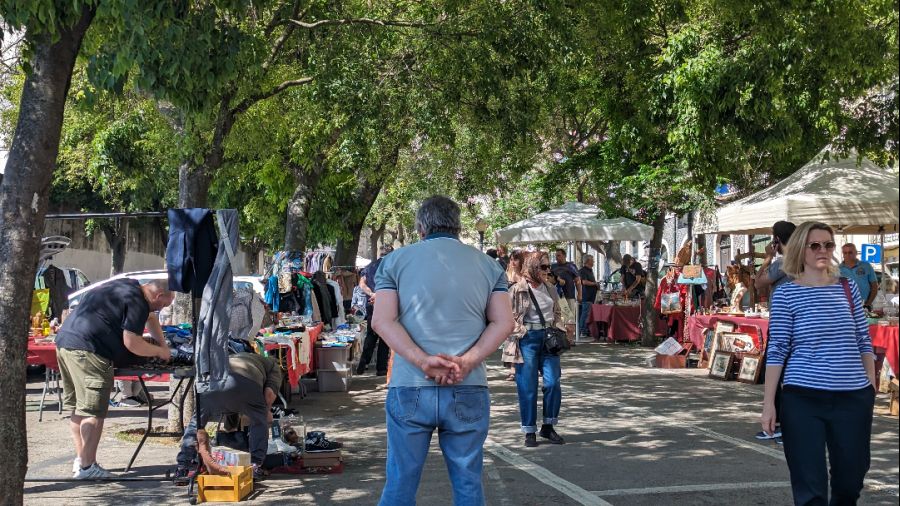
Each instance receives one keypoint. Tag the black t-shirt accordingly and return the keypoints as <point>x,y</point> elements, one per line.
<point>569,273</point>
<point>630,273</point>
<point>369,273</point>
<point>588,293</point>
<point>97,323</point>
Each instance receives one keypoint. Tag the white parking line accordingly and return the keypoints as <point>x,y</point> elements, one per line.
<point>568,488</point>
<point>691,488</point>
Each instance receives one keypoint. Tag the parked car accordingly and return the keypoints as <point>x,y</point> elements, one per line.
<point>75,278</point>
<point>141,276</point>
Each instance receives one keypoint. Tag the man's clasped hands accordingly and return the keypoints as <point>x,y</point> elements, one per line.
<point>447,369</point>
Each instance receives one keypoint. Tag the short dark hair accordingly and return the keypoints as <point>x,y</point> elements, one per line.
<point>491,253</point>
<point>626,258</point>
<point>560,250</point>
<point>782,230</point>
<point>438,214</point>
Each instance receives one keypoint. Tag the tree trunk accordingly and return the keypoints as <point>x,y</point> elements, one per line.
<point>296,230</point>
<point>377,235</point>
<point>401,234</point>
<point>651,316</point>
<point>346,250</point>
<point>117,238</point>
<point>24,196</point>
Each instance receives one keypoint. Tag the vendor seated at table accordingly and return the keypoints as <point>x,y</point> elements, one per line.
<point>103,332</point>
<point>249,389</point>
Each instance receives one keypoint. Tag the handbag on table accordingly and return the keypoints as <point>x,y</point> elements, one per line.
<point>555,340</point>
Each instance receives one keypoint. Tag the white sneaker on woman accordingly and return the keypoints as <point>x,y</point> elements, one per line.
<point>95,472</point>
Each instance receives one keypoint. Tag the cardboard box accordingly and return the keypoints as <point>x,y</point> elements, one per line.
<point>322,459</point>
<point>333,358</point>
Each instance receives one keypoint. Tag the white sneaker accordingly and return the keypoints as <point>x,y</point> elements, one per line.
<point>129,402</point>
<point>95,472</point>
<point>76,465</point>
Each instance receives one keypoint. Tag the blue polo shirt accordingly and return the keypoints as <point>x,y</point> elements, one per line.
<point>443,287</point>
<point>863,274</point>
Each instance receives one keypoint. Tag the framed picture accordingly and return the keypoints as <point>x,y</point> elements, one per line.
<point>720,365</point>
<point>724,327</point>
<point>735,342</point>
<point>750,370</point>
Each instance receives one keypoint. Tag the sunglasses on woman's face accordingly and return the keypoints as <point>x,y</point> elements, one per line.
<point>816,246</point>
<point>545,267</point>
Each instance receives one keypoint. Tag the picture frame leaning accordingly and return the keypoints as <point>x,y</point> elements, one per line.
<point>750,369</point>
<point>720,365</point>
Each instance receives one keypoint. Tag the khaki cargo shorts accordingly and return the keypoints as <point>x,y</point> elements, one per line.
<point>87,380</point>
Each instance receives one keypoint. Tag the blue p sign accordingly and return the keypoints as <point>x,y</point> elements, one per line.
<point>871,253</point>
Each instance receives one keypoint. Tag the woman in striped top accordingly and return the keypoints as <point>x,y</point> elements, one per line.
<point>818,331</point>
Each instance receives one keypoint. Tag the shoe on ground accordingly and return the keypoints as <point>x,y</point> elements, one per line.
<point>381,373</point>
<point>94,472</point>
<point>130,402</point>
<point>547,432</point>
<point>360,370</point>
<point>259,473</point>
<point>76,465</point>
<point>763,436</point>
<point>779,440</point>
<point>531,440</point>
<point>182,476</point>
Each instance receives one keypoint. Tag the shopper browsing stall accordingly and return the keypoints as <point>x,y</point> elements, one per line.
<point>250,389</point>
<point>105,331</point>
<point>632,277</point>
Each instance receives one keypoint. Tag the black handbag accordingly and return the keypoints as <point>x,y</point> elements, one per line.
<point>555,340</point>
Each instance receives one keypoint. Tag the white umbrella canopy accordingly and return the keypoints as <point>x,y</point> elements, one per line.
<point>852,198</point>
<point>573,221</point>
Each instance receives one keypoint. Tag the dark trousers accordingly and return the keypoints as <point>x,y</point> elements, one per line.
<point>259,443</point>
<point>372,341</point>
<point>841,421</point>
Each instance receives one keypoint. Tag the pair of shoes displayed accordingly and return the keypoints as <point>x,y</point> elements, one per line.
<point>547,432</point>
<point>317,442</point>
<point>93,472</point>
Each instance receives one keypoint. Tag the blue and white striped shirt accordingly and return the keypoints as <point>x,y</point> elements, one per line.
<point>813,328</point>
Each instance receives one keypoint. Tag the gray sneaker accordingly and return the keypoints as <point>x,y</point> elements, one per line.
<point>95,472</point>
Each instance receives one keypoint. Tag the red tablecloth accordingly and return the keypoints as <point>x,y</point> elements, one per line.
<point>45,355</point>
<point>298,366</point>
<point>885,336</point>
<point>697,324</point>
<point>622,322</point>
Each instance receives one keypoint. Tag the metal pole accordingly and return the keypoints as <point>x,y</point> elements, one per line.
<point>481,241</point>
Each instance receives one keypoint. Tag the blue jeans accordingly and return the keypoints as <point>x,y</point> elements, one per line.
<point>532,347</point>
<point>584,310</point>
<point>462,416</point>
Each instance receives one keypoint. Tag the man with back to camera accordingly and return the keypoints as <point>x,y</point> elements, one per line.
<point>443,308</point>
<point>860,271</point>
<point>103,332</point>
<point>568,277</point>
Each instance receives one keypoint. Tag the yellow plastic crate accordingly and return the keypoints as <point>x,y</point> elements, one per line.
<point>232,488</point>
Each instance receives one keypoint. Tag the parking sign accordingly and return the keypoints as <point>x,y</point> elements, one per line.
<point>871,253</point>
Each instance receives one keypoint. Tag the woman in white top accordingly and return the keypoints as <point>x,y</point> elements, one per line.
<point>530,331</point>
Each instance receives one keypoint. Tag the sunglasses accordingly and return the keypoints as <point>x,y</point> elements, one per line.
<point>816,246</point>
<point>545,267</point>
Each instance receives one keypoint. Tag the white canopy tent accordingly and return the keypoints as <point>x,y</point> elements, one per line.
<point>853,198</point>
<point>573,221</point>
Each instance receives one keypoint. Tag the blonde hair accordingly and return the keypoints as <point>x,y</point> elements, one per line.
<point>795,249</point>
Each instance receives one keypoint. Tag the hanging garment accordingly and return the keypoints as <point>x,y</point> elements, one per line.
<point>321,295</point>
<point>191,249</point>
<point>55,281</point>
<point>339,318</point>
<point>211,358</point>
<point>242,313</point>
<point>273,297</point>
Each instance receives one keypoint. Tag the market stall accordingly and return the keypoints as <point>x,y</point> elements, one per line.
<point>618,322</point>
<point>575,221</point>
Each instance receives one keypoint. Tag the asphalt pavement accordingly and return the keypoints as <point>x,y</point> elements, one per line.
<point>635,435</point>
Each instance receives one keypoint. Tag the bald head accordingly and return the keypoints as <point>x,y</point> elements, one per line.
<point>158,294</point>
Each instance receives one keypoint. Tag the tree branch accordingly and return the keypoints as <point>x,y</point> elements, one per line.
<point>252,99</point>
<point>295,12</point>
<point>360,21</point>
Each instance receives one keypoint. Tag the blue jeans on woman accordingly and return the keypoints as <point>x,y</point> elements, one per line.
<point>532,348</point>
<point>461,414</point>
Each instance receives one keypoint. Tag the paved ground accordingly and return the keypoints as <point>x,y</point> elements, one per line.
<point>635,436</point>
